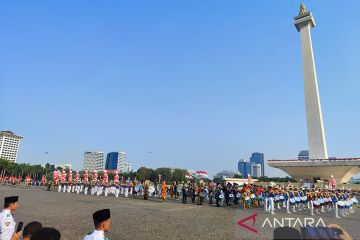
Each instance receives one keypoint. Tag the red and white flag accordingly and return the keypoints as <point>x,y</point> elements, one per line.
<point>116,176</point>
<point>77,176</point>
<point>202,174</point>
<point>55,176</point>
<point>63,176</point>
<point>94,176</point>
<point>43,179</point>
<point>70,175</point>
<point>105,176</point>
<point>333,182</point>
<point>86,176</point>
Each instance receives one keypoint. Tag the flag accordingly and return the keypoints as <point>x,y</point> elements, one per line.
<point>116,176</point>
<point>202,174</point>
<point>333,182</point>
<point>188,175</point>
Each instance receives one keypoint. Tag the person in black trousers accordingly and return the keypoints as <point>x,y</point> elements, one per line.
<point>184,194</point>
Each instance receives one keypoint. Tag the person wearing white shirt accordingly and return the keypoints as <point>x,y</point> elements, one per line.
<point>7,222</point>
<point>102,224</point>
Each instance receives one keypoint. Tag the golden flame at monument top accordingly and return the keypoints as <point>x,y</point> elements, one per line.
<point>302,9</point>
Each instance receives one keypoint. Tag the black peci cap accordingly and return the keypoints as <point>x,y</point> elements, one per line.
<point>11,199</point>
<point>101,215</point>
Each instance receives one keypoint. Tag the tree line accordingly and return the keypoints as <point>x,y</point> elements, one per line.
<point>8,168</point>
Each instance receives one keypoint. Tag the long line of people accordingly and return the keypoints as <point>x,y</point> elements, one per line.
<point>272,199</point>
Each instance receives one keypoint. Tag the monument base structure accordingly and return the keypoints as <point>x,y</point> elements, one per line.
<point>342,169</point>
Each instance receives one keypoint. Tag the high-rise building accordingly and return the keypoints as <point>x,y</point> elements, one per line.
<point>93,161</point>
<point>115,161</point>
<point>255,170</point>
<point>244,168</point>
<point>303,155</point>
<point>225,174</point>
<point>127,168</point>
<point>64,165</point>
<point>258,158</point>
<point>9,145</point>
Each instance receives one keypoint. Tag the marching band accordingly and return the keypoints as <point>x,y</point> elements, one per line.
<point>339,202</point>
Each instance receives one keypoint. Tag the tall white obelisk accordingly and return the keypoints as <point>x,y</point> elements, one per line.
<point>316,136</point>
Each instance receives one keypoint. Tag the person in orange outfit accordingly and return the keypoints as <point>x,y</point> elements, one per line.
<point>164,190</point>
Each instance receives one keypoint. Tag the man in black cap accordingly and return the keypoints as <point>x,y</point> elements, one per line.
<point>102,224</point>
<point>7,222</point>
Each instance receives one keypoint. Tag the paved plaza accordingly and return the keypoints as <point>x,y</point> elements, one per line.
<point>131,218</point>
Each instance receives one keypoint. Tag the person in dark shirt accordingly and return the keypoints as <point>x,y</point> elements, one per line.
<point>184,194</point>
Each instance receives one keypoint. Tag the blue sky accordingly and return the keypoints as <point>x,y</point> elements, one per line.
<point>200,84</point>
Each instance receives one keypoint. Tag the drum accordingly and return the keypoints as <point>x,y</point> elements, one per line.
<point>341,204</point>
<point>282,198</point>
<point>348,203</point>
<point>247,199</point>
<point>354,200</point>
<point>231,197</point>
<point>151,189</point>
<point>277,199</point>
<point>253,196</point>
<point>204,194</point>
<point>316,204</point>
<point>221,197</point>
<point>238,195</point>
<point>303,199</point>
<point>321,201</point>
<point>297,199</point>
<point>292,201</point>
<point>137,188</point>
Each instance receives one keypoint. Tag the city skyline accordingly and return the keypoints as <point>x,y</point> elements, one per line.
<point>177,80</point>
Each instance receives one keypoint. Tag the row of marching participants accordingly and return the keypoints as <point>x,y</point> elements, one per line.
<point>316,201</point>
<point>292,200</point>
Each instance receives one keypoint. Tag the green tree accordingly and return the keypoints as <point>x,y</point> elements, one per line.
<point>179,175</point>
<point>165,174</point>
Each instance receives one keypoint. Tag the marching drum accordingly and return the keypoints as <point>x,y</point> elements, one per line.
<point>231,197</point>
<point>341,204</point>
<point>247,199</point>
<point>137,188</point>
<point>151,189</point>
<point>277,199</point>
<point>292,201</point>
<point>348,203</point>
<point>282,198</point>
<point>321,201</point>
<point>221,197</point>
<point>238,195</point>
<point>354,200</point>
<point>297,199</point>
<point>205,193</point>
<point>261,197</point>
<point>316,204</point>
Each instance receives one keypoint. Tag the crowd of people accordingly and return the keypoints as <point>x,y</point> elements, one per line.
<point>291,199</point>
<point>339,202</point>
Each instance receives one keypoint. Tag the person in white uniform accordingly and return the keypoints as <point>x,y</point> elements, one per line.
<point>7,222</point>
<point>102,225</point>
